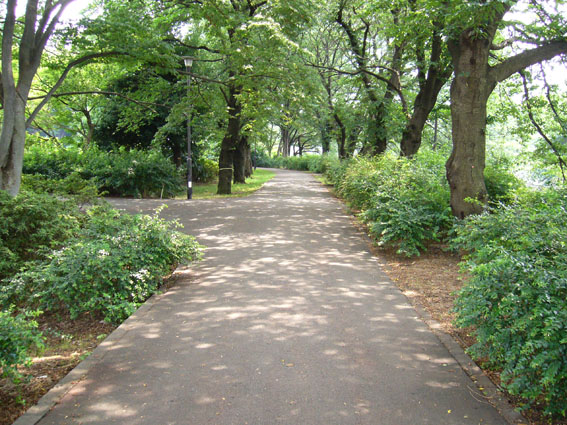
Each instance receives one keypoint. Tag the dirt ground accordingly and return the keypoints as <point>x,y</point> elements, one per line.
<point>67,343</point>
<point>432,281</point>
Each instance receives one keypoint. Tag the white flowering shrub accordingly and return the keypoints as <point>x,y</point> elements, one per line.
<point>114,264</point>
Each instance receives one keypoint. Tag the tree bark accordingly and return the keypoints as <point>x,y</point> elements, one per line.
<point>248,166</point>
<point>285,141</point>
<point>473,82</point>
<point>429,87</point>
<point>239,160</point>
<point>326,136</point>
<point>229,142</point>
<point>34,37</point>
<point>470,90</point>
<point>377,134</point>
<point>341,141</point>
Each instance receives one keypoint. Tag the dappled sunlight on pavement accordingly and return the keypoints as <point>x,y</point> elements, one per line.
<point>288,320</point>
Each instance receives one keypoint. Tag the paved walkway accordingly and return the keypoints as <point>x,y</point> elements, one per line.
<point>288,320</point>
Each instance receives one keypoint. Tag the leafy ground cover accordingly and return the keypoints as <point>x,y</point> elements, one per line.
<point>66,342</point>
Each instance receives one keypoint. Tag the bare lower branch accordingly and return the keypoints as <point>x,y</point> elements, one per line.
<point>104,93</point>
<point>202,78</point>
<point>390,84</point>
<point>560,161</point>
<point>558,118</point>
<point>61,79</point>
<point>522,60</point>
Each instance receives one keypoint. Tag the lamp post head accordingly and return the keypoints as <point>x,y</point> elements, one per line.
<point>188,62</point>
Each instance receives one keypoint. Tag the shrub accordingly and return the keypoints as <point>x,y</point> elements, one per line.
<point>409,202</point>
<point>53,162</point>
<point>516,295</point>
<point>362,178</point>
<point>501,183</point>
<point>321,163</point>
<point>132,173</point>
<point>205,170</point>
<point>336,170</point>
<point>32,224</point>
<point>115,263</point>
<point>299,163</point>
<point>74,186</point>
<point>18,334</point>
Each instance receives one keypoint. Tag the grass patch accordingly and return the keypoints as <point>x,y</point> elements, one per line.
<point>209,190</point>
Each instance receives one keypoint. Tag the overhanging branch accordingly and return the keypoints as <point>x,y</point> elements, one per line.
<point>390,84</point>
<point>61,79</point>
<point>104,93</point>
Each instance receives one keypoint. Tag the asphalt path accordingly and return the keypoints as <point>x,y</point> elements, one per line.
<point>289,319</point>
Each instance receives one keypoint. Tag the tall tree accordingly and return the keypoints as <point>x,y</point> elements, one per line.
<point>423,32</point>
<point>252,39</point>
<point>480,38</point>
<point>361,40</point>
<point>39,23</point>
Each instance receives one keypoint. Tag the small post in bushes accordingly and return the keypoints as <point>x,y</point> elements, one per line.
<point>188,63</point>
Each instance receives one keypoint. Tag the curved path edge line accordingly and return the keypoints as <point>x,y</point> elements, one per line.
<point>50,399</point>
<point>487,390</point>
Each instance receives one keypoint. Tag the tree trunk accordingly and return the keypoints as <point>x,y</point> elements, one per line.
<point>225,167</point>
<point>248,166</point>
<point>32,41</point>
<point>229,143</point>
<point>412,134</point>
<point>12,142</point>
<point>90,129</point>
<point>423,105</point>
<point>429,87</point>
<point>326,136</point>
<point>341,141</point>
<point>470,90</point>
<point>285,141</point>
<point>239,160</point>
<point>376,142</point>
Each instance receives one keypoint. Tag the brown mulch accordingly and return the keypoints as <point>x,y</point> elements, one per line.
<point>67,343</point>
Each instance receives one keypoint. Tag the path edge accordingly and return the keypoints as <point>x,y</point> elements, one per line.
<point>487,390</point>
<point>50,399</point>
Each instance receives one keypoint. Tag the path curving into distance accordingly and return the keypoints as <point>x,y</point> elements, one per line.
<point>288,320</point>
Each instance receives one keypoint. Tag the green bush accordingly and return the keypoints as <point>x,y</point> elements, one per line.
<point>298,163</point>
<point>501,184</point>
<point>18,334</point>
<point>133,172</point>
<point>74,186</point>
<point>336,170</point>
<point>114,264</point>
<point>321,163</point>
<point>32,224</point>
<point>54,162</point>
<point>137,173</point>
<point>205,170</point>
<point>516,296</point>
<point>362,178</point>
<point>409,203</point>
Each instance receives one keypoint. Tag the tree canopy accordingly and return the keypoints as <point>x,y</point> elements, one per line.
<point>346,77</point>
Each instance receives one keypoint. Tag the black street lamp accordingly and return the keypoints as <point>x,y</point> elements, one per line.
<point>188,63</point>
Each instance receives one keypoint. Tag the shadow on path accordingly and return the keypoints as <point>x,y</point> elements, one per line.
<point>288,320</point>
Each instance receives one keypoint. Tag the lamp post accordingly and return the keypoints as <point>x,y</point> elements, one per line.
<point>188,63</point>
